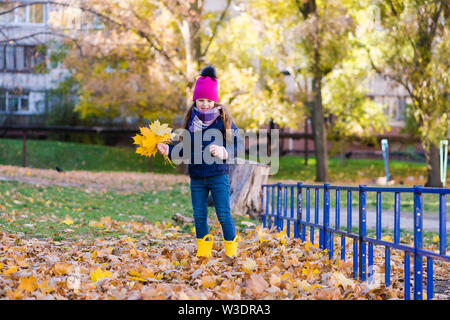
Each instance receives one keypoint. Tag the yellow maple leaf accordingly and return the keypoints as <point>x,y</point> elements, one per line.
<point>137,139</point>
<point>308,245</point>
<point>67,221</point>
<point>249,265</point>
<point>342,280</point>
<point>208,282</point>
<point>62,268</point>
<point>149,142</point>
<point>99,274</point>
<point>45,288</point>
<point>28,284</point>
<point>10,270</point>
<point>150,137</point>
<point>158,276</point>
<point>160,129</point>
<point>94,223</point>
<point>145,131</point>
<point>282,236</point>
<point>135,275</point>
<point>315,286</point>
<point>285,275</point>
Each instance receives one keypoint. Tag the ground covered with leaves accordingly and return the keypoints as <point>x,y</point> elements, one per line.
<point>84,235</point>
<point>163,265</point>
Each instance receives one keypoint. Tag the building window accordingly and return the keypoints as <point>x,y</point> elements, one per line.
<point>7,17</point>
<point>14,101</point>
<point>394,106</point>
<point>33,13</point>
<point>21,58</point>
<point>36,14</point>
<point>2,101</point>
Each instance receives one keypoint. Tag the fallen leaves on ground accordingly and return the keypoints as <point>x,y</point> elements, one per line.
<point>116,181</point>
<point>163,265</point>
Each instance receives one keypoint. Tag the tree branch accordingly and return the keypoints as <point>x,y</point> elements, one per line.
<point>222,16</point>
<point>33,35</point>
<point>392,77</point>
<point>393,8</point>
<point>107,19</point>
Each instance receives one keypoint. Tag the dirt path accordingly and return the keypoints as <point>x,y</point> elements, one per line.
<point>123,182</point>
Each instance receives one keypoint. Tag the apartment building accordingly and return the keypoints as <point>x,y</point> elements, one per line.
<point>26,74</point>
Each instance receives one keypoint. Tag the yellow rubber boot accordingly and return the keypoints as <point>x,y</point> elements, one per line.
<point>231,247</point>
<point>204,246</point>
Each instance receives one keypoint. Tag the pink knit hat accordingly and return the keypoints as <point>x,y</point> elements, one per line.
<point>206,85</point>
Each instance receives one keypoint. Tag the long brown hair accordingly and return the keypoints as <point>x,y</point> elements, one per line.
<point>224,114</point>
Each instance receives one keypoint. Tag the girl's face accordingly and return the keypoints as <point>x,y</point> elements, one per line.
<point>204,104</point>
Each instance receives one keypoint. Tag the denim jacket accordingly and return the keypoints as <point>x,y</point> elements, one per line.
<point>218,167</point>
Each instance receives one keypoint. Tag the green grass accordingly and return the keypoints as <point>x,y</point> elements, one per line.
<point>39,211</point>
<point>351,172</point>
<point>69,156</point>
<point>44,207</point>
<point>76,156</point>
<point>52,204</point>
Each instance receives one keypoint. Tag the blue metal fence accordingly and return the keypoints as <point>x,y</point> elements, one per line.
<point>299,219</point>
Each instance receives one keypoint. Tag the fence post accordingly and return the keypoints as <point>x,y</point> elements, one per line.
<point>263,217</point>
<point>326,216</point>
<point>407,276</point>
<point>24,148</point>
<point>273,207</point>
<point>292,213</point>
<point>308,214</point>
<point>417,243</point>
<point>277,222</point>
<point>362,233</point>
<point>430,293</point>
<point>299,213</point>
<point>397,218</point>
<point>284,212</point>
<point>442,224</point>
<point>316,215</point>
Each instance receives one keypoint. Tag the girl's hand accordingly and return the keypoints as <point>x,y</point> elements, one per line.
<point>163,148</point>
<point>219,152</point>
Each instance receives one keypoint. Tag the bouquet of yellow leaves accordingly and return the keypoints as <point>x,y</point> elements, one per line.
<point>151,136</point>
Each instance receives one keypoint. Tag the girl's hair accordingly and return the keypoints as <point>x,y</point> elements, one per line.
<point>224,113</point>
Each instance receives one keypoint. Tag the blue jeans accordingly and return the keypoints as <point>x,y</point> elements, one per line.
<point>220,190</point>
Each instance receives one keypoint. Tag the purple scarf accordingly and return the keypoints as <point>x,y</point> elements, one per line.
<point>203,119</point>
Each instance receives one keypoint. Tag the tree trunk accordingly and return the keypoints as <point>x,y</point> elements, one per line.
<point>433,166</point>
<point>192,41</point>
<point>245,188</point>
<point>320,132</point>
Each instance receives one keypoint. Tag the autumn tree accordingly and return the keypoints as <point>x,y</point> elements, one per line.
<point>251,80</point>
<point>409,43</point>
<point>123,52</point>
<point>313,42</point>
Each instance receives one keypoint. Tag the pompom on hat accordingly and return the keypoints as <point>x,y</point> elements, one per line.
<point>206,85</point>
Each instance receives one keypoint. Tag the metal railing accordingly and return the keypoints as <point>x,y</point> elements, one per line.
<point>274,213</point>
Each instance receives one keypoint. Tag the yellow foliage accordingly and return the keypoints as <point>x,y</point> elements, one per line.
<point>62,268</point>
<point>10,270</point>
<point>99,274</point>
<point>67,221</point>
<point>150,137</point>
<point>28,284</point>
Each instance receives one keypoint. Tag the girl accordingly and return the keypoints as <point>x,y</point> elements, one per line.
<point>207,114</point>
